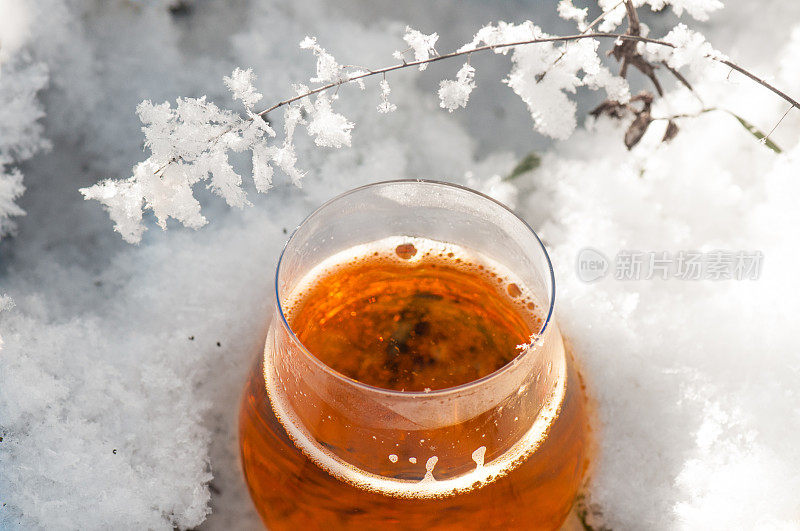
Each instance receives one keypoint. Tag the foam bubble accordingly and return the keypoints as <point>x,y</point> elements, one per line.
<point>429,464</point>
<point>478,456</point>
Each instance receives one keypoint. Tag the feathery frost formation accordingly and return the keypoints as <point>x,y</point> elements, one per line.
<point>423,46</point>
<point>21,78</point>
<point>455,94</point>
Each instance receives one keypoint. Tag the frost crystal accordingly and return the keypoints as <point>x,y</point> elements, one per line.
<point>285,157</point>
<point>691,49</point>
<point>422,45</point>
<point>568,11</point>
<point>123,201</point>
<point>240,83</point>
<point>223,180</point>
<point>20,131</point>
<point>191,142</point>
<point>385,105</point>
<point>359,82</point>
<point>328,128</point>
<point>455,94</point>
<point>291,117</point>
<point>262,171</point>
<point>327,68</point>
<point>10,189</point>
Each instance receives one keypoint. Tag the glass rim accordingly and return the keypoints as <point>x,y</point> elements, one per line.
<point>394,392</point>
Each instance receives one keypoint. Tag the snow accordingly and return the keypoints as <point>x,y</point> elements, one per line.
<point>117,407</point>
<point>694,381</point>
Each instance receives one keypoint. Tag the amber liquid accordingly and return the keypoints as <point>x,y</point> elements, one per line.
<point>412,320</point>
<point>435,323</point>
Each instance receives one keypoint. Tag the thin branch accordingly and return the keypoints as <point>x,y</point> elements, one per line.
<point>678,76</point>
<point>656,83</point>
<point>627,54</point>
<point>757,79</point>
<point>766,138</point>
<point>625,49</point>
<point>634,28</point>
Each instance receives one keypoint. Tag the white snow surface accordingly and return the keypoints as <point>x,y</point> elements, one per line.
<point>121,366</point>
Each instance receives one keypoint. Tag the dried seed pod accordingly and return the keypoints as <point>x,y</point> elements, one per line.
<point>638,128</point>
<point>672,130</point>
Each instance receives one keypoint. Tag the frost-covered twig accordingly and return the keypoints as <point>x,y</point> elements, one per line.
<point>565,38</point>
<point>459,53</point>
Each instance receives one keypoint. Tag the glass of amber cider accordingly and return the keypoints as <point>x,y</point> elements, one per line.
<point>413,375</point>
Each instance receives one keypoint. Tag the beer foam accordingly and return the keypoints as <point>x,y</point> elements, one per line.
<point>527,303</point>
